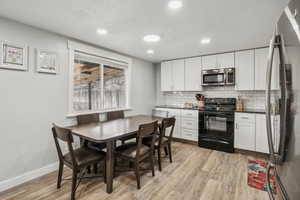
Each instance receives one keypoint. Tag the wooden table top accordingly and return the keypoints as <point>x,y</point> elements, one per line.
<point>112,130</point>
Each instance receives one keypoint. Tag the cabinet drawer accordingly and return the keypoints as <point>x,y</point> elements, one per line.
<point>190,123</point>
<point>189,113</point>
<point>174,113</point>
<point>189,134</point>
<point>245,118</point>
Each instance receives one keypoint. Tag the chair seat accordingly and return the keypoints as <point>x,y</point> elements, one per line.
<point>85,156</point>
<point>147,141</point>
<point>96,146</point>
<point>130,149</point>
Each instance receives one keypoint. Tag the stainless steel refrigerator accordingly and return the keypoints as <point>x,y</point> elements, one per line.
<point>285,158</point>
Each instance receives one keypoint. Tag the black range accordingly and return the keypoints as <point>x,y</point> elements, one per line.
<point>216,124</point>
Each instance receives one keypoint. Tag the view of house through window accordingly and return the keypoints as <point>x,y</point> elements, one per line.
<point>98,84</point>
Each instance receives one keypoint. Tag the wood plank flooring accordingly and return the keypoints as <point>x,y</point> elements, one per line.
<point>195,174</point>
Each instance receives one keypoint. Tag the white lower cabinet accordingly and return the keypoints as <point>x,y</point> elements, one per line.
<point>251,132</point>
<point>177,114</point>
<point>244,134</point>
<point>186,126</point>
<point>189,125</point>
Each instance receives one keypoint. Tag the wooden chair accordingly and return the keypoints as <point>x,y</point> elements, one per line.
<point>163,141</point>
<point>90,118</point>
<point>135,153</point>
<point>77,159</point>
<point>115,115</point>
<point>118,115</point>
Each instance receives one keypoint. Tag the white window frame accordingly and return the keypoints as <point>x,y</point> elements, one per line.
<point>103,54</point>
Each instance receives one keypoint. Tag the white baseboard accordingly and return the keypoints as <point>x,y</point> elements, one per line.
<point>7,184</point>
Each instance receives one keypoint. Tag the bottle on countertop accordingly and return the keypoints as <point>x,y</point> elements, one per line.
<point>239,104</point>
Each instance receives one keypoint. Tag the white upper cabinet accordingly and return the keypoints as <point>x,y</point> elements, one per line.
<point>209,62</point>
<point>178,75</point>
<point>225,60</point>
<point>261,61</point>
<point>166,76</point>
<point>244,65</point>
<point>193,74</point>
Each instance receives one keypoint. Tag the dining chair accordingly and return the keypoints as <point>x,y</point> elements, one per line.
<point>136,152</point>
<point>76,159</point>
<point>90,118</point>
<point>115,115</point>
<point>119,115</point>
<point>164,140</point>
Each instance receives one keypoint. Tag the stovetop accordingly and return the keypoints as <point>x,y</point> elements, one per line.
<point>220,104</point>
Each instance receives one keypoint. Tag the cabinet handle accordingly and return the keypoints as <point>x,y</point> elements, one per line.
<point>244,117</point>
<point>236,125</point>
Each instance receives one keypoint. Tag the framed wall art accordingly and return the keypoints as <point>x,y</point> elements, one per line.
<point>46,61</point>
<point>14,56</point>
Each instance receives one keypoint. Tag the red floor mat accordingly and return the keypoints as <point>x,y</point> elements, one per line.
<point>257,175</point>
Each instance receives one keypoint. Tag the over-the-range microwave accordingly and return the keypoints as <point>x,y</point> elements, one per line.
<point>218,77</point>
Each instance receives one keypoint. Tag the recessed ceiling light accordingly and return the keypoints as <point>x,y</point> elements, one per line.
<point>102,31</point>
<point>150,51</point>
<point>175,4</point>
<point>205,41</point>
<point>151,38</point>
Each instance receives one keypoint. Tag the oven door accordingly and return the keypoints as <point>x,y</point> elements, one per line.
<point>213,78</point>
<point>217,127</point>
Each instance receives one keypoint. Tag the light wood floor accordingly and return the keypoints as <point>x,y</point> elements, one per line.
<point>196,173</point>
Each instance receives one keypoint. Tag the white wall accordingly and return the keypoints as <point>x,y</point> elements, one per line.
<point>30,101</point>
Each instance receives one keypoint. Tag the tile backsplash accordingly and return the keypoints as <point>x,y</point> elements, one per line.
<point>252,99</point>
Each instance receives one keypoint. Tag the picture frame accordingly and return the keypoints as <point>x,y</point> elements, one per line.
<point>46,61</point>
<point>14,56</point>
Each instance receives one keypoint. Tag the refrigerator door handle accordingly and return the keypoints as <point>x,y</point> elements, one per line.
<point>284,68</point>
<point>268,97</point>
<point>269,188</point>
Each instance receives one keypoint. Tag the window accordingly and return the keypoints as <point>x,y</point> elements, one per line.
<point>98,84</point>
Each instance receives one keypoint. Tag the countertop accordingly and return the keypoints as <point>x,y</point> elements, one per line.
<point>254,111</point>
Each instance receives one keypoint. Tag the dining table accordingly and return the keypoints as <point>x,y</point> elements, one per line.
<point>109,132</point>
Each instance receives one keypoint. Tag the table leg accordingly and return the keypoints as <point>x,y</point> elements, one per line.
<point>109,166</point>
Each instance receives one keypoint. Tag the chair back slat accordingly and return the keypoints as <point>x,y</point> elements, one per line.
<point>89,118</point>
<point>115,115</point>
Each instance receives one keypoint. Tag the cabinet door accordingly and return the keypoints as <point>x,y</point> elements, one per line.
<point>209,62</point>
<point>244,135</point>
<point>193,74</point>
<point>225,60</point>
<point>178,75</point>
<point>261,61</point>
<point>244,65</point>
<point>177,129</point>
<point>166,76</point>
<point>261,134</point>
